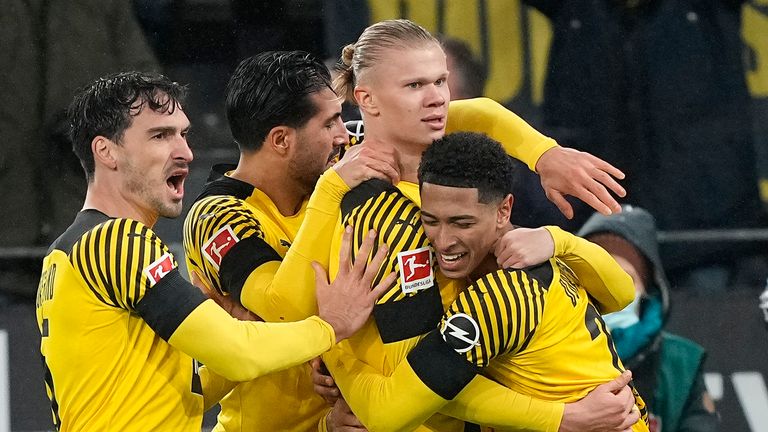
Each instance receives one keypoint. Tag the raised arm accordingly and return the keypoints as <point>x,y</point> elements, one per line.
<point>563,171</point>
<point>604,280</point>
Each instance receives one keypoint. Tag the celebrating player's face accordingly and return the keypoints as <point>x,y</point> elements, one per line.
<point>461,229</point>
<point>318,140</point>
<point>409,91</point>
<point>153,157</point>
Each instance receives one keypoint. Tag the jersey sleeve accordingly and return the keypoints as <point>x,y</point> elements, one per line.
<point>402,401</point>
<point>600,275</point>
<point>120,261</point>
<point>224,243</point>
<point>412,306</point>
<point>518,138</point>
<point>289,293</point>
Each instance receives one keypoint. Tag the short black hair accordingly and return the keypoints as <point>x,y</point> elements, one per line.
<point>272,89</point>
<point>468,160</point>
<point>107,106</point>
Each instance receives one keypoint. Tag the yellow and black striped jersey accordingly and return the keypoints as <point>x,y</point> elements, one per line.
<point>101,310</point>
<point>234,231</point>
<point>534,331</point>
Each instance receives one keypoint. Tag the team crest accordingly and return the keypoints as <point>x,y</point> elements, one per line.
<point>218,245</point>
<point>461,332</point>
<point>158,269</point>
<point>415,270</point>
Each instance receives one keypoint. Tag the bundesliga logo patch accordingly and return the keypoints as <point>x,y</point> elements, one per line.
<point>161,267</point>
<point>218,245</point>
<point>415,269</point>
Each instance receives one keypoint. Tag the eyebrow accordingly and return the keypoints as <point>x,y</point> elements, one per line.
<point>334,116</point>
<point>450,219</point>
<point>166,129</point>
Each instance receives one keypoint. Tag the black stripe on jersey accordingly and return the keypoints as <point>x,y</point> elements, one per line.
<point>362,193</point>
<point>84,221</point>
<point>409,316</point>
<point>533,303</point>
<point>48,378</point>
<point>240,261</point>
<point>543,273</point>
<point>219,184</point>
<point>168,303</point>
<point>479,359</point>
<point>84,258</point>
<point>439,367</point>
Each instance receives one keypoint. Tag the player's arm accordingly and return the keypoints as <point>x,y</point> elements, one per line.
<point>563,171</point>
<point>150,285</point>
<point>438,371</point>
<point>601,276</point>
<point>285,291</point>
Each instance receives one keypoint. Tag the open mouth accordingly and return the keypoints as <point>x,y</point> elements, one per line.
<point>451,258</point>
<point>436,121</point>
<point>335,155</point>
<point>176,182</point>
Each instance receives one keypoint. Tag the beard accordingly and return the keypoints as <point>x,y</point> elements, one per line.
<point>140,186</point>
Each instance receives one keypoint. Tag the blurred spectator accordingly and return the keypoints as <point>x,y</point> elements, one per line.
<point>468,73</point>
<point>657,88</point>
<point>49,48</point>
<point>667,369</point>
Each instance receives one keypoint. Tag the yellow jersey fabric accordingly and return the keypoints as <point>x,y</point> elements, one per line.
<point>105,367</point>
<point>120,328</point>
<point>234,236</point>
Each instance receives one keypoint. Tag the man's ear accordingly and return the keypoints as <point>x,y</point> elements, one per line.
<point>365,100</point>
<point>504,212</point>
<point>281,139</point>
<point>104,152</point>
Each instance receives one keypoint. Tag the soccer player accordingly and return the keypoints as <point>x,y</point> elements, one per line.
<point>397,74</point>
<point>121,330</point>
<point>534,330</point>
<point>286,120</point>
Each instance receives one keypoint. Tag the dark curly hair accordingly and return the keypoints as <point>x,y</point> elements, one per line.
<point>468,160</point>
<point>272,89</point>
<point>107,107</point>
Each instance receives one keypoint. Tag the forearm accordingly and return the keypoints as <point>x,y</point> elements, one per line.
<point>519,139</point>
<point>398,402</point>
<point>487,403</point>
<point>289,294</point>
<point>244,350</point>
<point>599,273</point>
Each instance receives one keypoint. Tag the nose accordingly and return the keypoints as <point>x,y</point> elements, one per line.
<point>436,95</point>
<point>441,238</point>
<point>183,151</point>
<point>340,135</point>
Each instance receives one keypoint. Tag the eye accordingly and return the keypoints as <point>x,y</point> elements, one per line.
<point>428,222</point>
<point>464,225</point>
<point>440,82</point>
<point>414,85</point>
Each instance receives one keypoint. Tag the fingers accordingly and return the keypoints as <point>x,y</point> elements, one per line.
<point>383,286</point>
<point>618,383</point>
<point>361,268</point>
<point>559,200</point>
<point>606,167</point>
<point>631,418</point>
<point>346,250</point>
<point>321,277</point>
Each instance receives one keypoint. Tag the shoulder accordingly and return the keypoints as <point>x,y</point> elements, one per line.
<point>364,192</point>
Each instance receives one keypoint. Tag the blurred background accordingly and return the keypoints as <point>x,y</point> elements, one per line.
<point>673,92</point>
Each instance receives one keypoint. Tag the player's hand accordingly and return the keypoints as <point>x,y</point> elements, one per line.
<point>364,162</point>
<point>609,407</point>
<point>524,247</point>
<point>323,382</point>
<point>566,171</point>
<point>347,302</point>
<point>234,308</point>
<point>341,419</point>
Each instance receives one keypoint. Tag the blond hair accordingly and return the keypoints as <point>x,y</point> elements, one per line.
<point>363,54</point>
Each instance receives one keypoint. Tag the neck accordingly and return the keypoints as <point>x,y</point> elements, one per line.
<point>409,153</point>
<point>109,198</point>
<point>271,176</point>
